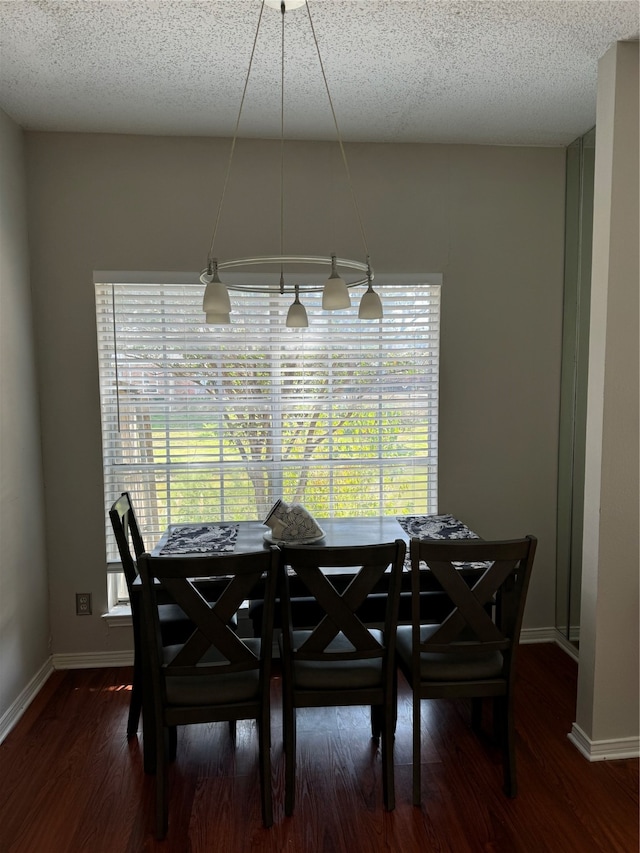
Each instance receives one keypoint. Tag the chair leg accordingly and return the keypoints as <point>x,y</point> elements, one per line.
<point>377,717</point>
<point>378,712</point>
<point>162,794</point>
<point>264,748</point>
<point>232,730</point>
<point>149,750</point>
<point>149,734</point>
<point>135,703</point>
<point>289,725</point>
<point>173,742</point>
<point>417,793</point>
<point>394,700</point>
<point>388,781</point>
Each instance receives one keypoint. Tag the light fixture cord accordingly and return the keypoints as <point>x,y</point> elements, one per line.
<point>282,11</point>
<point>235,136</point>
<point>338,134</point>
<point>116,355</point>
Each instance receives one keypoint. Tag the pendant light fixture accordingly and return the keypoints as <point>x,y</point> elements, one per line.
<point>370,304</point>
<point>344,274</point>
<point>297,314</point>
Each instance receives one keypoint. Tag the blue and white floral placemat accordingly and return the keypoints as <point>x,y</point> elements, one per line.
<point>435,527</point>
<point>200,539</point>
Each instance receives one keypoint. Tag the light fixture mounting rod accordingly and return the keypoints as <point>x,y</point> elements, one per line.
<point>288,4</point>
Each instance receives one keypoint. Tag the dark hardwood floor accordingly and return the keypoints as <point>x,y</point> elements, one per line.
<point>70,782</point>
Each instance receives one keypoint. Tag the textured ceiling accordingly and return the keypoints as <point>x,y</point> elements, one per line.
<point>493,72</point>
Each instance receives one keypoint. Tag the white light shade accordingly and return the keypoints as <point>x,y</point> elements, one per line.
<point>335,294</point>
<point>370,305</point>
<point>217,319</point>
<point>297,316</point>
<point>216,297</point>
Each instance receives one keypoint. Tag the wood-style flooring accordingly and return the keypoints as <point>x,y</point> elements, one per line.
<point>70,782</point>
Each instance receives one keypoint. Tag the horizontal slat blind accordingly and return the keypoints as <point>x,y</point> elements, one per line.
<point>206,423</point>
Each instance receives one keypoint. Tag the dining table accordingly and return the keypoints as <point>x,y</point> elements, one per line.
<point>218,537</point>
<point>209,538</point>
<point>249,536</point>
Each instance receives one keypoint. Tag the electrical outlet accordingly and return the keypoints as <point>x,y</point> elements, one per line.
<point>83,604</point>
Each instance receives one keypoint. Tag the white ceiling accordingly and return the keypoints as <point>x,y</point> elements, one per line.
<point>495,72</point>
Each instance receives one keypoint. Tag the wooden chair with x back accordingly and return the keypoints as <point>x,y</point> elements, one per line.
<point>339,660</point>
<point>472,652</point>
<point>215,675</point>
<point>175,626</point>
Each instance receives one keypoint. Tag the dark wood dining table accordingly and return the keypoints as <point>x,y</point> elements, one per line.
<point>207,539</point>
<point>250,536</point>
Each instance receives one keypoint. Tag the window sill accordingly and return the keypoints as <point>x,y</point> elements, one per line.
<point>119,616</point>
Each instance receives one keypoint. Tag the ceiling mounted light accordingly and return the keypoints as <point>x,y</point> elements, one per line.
<point>335,292</point>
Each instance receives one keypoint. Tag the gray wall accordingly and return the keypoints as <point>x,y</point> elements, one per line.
<point>490,219</point>
<point>24,605</point>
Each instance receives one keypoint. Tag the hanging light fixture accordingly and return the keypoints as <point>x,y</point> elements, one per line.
<point>216,302</point>
<point>344,273</point>
<point>297,314</point>
<point>370,304</point>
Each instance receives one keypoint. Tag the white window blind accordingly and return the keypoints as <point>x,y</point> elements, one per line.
<point>205,423</point>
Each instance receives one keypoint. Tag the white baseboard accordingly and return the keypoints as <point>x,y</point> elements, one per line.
<point>26,697</point>
<point>566,645</point>
<point>91,660</point>
<point>604,750</point>
<point>549,635</point>
<point>538,635</point>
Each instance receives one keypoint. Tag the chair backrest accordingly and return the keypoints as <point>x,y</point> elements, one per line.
<point>238,575</point>
<point>487,611</point>
<point>338,610</point>
<point>127,533</point>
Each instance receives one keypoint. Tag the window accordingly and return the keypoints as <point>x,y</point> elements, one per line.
<point>216,422</point>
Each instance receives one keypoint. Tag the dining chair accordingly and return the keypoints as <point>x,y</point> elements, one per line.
<point>174,625</point>
<point>472,652</point>
<point>339,660</point>
<point>216,674</point>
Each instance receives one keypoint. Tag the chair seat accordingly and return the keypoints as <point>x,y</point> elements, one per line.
<point>336,675</point>
<point>437,666</point>
<point>213,689</point>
